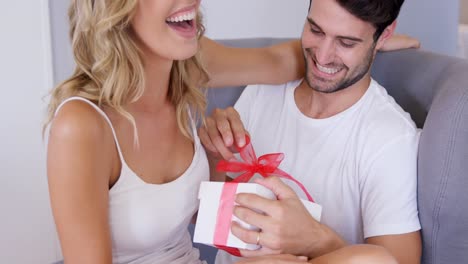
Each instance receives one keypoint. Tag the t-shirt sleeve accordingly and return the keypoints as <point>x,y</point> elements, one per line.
<point>246,103</point>
<point>388,188</point>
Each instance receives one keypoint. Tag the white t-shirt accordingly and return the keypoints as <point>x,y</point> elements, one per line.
<point>360,164</point>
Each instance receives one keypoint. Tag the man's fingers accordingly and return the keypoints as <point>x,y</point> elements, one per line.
<point>278,187</point>
<point>256,202</point>
<point>216,139</point>
<point>237,126</point>
<point>220,130</point>
<point>248,236</point>
<point>223,125</point>
<point>251,217</point>
<point>262,238</point>
<point>206,141</point>
<point>245,253</point>
<point>263,251</point>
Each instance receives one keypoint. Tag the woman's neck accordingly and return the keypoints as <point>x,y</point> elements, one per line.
<point>157,78</point>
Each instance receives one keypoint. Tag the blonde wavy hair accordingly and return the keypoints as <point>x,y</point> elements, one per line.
<point>109,67</point>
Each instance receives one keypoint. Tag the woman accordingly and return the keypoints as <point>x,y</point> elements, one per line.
<point>124,160</point>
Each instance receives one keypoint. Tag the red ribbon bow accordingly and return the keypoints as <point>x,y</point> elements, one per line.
<point>266,165</point>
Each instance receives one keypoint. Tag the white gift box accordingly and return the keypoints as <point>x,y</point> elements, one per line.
<point>210,196</point>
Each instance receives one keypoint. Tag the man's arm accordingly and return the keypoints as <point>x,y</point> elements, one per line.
<point>388,199</point>
<point>288,228</point>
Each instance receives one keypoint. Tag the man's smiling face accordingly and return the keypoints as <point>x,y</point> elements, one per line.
<point>338,47</point>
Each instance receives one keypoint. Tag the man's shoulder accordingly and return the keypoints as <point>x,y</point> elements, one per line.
<point>265,101</point>
<point>386,114</point>
<point>385,121</point>
<point>264,91</point>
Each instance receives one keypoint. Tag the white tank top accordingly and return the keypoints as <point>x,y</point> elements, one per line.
<point>149,222</point>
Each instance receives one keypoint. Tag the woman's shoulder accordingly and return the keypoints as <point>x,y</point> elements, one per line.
<point>79,119</point>
<point>80,143</point>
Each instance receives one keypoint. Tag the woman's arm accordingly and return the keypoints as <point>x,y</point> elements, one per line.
<point>79,165</point>
<point>399,41</point>
<point>228,66</point>
<point>356,254</point>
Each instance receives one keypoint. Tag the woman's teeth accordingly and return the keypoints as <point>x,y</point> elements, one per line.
<point>180,18</point>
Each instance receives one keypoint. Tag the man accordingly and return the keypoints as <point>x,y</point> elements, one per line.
<point>343,137</point>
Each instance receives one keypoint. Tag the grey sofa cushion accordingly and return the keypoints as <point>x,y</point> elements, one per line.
<point>434,90</point>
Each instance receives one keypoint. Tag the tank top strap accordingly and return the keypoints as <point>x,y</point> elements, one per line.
<point>102,113</point>
<point>194,127</point>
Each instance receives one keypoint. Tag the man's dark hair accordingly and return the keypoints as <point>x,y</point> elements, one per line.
<point>380,13</point>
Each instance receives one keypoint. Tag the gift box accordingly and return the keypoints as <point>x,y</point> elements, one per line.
<point>217,200</point>
<point>215,214</point>
<point>208,229</point>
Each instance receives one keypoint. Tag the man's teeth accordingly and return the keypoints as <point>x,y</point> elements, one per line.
<point>326,70</point>
<point>184,17</point>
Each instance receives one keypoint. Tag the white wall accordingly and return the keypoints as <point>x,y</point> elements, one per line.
<point>227,19</point>
<point>26,228</point>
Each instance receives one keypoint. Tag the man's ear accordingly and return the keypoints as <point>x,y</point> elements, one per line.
<point>386,34</point>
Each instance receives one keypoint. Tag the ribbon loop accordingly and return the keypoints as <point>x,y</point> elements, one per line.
<point>266,165</point>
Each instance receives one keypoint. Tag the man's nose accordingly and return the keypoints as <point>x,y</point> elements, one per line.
<point>325,52</point>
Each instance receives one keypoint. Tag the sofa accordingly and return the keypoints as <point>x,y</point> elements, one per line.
<point>433,88</point>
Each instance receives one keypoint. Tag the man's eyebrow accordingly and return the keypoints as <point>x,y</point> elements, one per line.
<point>312,23</point>
<point>350,38</point>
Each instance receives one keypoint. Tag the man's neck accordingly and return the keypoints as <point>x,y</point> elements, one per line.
<point>319,105</point>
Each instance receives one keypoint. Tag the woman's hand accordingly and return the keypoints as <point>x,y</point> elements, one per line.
<point>399,41</point>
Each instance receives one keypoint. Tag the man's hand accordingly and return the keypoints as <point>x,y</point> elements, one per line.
<point>398,42</point>
<point>219,132</point>
<point>286,225</point>
<point>277,259</point>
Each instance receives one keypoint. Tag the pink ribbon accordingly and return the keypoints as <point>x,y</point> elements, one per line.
<point>223,223</point>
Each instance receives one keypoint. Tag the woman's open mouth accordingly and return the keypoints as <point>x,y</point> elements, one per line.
<point>183,23</point>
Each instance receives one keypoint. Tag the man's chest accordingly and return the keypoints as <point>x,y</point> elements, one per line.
<point>324,162</point>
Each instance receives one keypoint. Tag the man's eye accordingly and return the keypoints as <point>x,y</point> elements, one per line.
<point>315,31</point>
<point>347,44</point>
